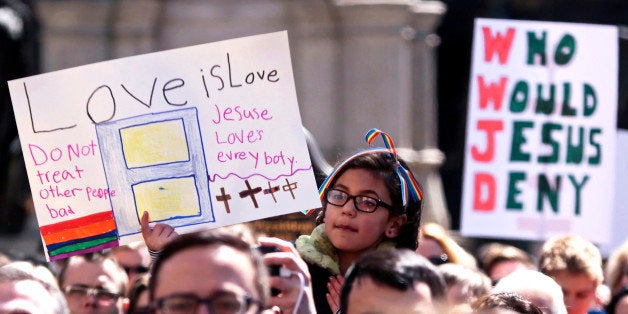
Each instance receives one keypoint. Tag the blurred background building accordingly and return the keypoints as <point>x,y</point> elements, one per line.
<point>398,65</point>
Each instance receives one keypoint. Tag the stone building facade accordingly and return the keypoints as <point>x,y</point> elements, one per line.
<point>358,64</point>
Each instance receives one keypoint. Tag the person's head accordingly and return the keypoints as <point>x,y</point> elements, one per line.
<point>439,247</point>
<point>24,292</point>
<point>617,268</point>
<point>4,259</point>
<point>93,283</point>
<point>139,301</point>
<point>39,271</point>
<point>619,302</point>
<point>504,303</point>
<point>464,285</point>
<point>536,287</point>
<point>392,281</point>
<point>212,268</point>
<point>372,177</point>
<point>134,258</point>
<point>499,260</point>
<point>576,265</point>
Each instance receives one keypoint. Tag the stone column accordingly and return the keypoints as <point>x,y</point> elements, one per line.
<point>377,72</point>
<point>389,82</point>
<point>314,35</point>
<point>425,16</point>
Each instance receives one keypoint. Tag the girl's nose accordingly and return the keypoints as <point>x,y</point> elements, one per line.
<point>349,208</point>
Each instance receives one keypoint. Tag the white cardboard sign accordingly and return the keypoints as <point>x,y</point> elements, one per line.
<point>200,137</point>
<point>541,130</point>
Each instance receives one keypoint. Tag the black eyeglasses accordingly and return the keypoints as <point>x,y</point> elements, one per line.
<point>439,259</point>
<point>102,296</point>
<point>218,303</point>
<point>362,203</point>
<point>135,269</point>
<point>142,310</point>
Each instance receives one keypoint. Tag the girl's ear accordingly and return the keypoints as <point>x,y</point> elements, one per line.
<point>394,226</point>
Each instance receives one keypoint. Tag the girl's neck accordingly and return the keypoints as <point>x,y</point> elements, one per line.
<point>345,259</point>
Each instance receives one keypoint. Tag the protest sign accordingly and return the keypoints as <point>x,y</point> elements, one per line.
<point>541,130</point>
<point>198,137</point>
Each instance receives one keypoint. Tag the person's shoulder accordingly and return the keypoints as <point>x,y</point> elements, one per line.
<point>318,271</point>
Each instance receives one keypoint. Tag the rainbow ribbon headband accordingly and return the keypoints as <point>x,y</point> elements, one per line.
<point>409,185</point>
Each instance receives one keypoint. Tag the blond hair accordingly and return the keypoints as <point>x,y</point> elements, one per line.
<point>455,253</point>
<point>571,253</point>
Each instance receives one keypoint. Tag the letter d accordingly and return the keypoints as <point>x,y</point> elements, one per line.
<point>42,154</point>
<point>484,192</point>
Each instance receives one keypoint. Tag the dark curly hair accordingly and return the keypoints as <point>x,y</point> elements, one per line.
<point>505,301</point>
<point>384,165</point>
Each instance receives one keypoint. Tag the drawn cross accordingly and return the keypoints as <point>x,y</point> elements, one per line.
<point>224,198</point>
<point>250,192</point>
<point>290,187</point>
<point>271,190</point>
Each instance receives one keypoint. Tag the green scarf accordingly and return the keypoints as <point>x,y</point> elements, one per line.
<point>317,249</point>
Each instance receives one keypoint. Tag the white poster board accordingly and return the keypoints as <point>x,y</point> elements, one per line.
<point>199,137</point>
<point>541,130</point>
<point>620,214</point>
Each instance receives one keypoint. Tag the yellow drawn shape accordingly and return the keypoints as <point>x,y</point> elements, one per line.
<point>167,198</point>
<point>155,143</point>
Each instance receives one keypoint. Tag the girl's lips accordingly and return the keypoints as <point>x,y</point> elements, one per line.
<point>346,228</point>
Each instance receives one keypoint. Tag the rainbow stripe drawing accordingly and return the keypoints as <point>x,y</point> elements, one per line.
<point>79,236</point>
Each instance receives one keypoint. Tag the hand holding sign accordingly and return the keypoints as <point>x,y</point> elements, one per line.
<point>158,236</point>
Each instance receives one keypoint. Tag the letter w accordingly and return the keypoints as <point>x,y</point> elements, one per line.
<point>499,44</point>
<point>492,92</point>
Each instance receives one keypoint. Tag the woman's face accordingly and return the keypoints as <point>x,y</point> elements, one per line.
<point>349,229</point>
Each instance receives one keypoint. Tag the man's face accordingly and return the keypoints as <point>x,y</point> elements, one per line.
<point>578,291</point>
<point>206,272</point>
<point>504,268</point>
<point>134,261</point>
<point>368,296</point>
<point>101,280</point>
<point>26,296</point>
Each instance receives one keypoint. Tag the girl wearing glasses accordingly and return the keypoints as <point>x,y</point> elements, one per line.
<point>370,201</point>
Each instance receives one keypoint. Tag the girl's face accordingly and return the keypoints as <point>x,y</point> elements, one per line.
<point>350,230</point>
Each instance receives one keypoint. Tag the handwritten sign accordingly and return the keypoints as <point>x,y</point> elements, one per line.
<point>541,130</point>
<point>198,137</point>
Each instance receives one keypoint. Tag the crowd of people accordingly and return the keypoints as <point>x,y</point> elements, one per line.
<point>367,253</point>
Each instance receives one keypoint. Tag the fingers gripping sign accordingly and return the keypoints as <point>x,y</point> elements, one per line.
<point>294,280</point>
<point>158,236</point>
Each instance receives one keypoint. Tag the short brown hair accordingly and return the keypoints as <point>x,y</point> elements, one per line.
<point>493,253</point>
<point>229,237</point>
<point>571,253</point>
<point>98,257</point>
